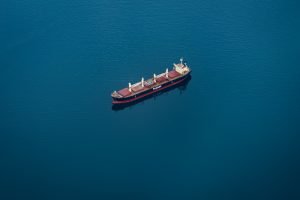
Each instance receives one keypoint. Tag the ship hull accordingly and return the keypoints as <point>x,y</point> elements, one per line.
<point>145,94</point>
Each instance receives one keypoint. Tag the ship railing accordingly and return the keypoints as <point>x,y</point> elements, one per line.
<point>160,75</point>
<point>136,84</point>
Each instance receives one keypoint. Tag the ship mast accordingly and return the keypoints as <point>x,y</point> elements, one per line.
<point>181,60</point>
<point>129,87</point>
<point>154,78</point>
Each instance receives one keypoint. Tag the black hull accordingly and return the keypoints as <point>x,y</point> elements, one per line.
<point>179,84</point>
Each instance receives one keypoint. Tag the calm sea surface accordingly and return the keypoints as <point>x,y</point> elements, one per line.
<point>232,132</point>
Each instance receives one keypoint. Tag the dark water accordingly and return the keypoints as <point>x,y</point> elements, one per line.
<point>230,133</point>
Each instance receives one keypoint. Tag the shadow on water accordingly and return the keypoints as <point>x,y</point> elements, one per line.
<point>181,87</point>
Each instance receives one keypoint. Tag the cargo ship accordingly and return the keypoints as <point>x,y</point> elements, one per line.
<point>157,83</point>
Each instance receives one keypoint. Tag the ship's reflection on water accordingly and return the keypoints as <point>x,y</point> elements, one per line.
<point>181,87</point>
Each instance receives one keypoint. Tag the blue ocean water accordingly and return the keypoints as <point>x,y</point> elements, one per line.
<point>231,132</point>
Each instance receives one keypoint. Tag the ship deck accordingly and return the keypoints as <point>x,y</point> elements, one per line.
<point>148,84</point>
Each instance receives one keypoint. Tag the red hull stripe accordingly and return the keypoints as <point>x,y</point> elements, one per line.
<point>153,91</point>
